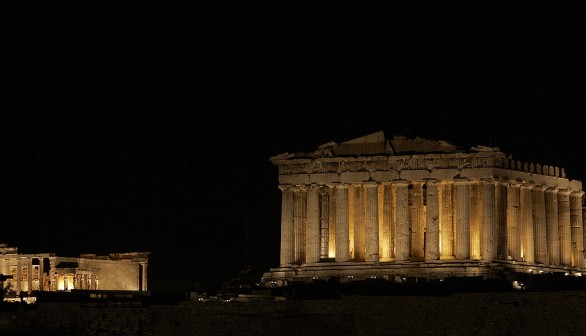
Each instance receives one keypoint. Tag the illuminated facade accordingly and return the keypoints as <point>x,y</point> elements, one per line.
<point>47,272</point>
<point>374,207</point>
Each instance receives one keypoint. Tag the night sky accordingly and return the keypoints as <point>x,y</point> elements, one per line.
<point>148,126</point>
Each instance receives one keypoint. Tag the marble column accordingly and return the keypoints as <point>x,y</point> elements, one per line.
<point>144,276</point>
<point>401,220</point>
<point>552,226</point>
<point>417,223</point>
<point>41,274</point>
<point>513,219</point>
<point>287,232</point>
<point>584,232</point>
<point>432,221</point>
<point>577,228</point>
<point>312,232</point>
<point>18,275</point>
<point>526,228</point>
<point>300,221</point>
<point>342,222</point>
<point>500,200</point>
<point>29,279</point>
<point>387,236</point>
<point>371,221</point>
<point>446,220</point>
<point>357,235</point>
<point>332,222</point>
<point>539,225</point>
<point>476,219</point>
<point>324,194</point>
<point>462,221</point>
<point>564,226</point>
<point>489,228</point>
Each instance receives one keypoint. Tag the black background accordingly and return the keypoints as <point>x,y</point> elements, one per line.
<point>148,126</point>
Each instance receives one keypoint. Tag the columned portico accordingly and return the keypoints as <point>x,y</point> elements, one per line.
<point>428,220</point>
<point>436,215</point>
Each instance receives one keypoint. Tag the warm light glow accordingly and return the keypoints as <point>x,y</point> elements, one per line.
<point>62,280</point>
<point>518,285</point>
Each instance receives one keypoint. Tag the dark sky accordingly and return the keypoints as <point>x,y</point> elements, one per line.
<point>148,126</point>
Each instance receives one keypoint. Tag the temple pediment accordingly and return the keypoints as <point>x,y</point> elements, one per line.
<point>376,144</point>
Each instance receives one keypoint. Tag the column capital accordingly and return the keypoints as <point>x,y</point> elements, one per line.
<point>340,185</point>
<point>430,181</point>
<point>527,186</point>
<point>564,192</point>
<point>401,182</point>
<point>461,180</point>
<point>285,187</point>
<point>371,184</point>
<point>552,190</point>
<point>515,184</point>
<point>577,193</point>
<point>324,189</point>
<point>540,187</point>
<point>487,180</point>
<point>300,187</point>
<point>314,186</point>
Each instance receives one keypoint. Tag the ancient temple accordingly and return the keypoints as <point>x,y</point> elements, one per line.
<point>47,272</point>
<point>374,207</point>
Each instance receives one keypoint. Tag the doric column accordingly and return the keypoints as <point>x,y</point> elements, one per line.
<point>144,276</point>
<point>358,231</point>
<point>371,221</point>
<point>300,221</point>
<point>287,232</point>
<point>332,228</point>
<point>500,202</point>
<point>539,225</point>
<point>401,219</point>
<point>564,226</point>
<point>584,232</point>
<point>476,217</point>
<point>462,231</point>
<point>18,275</point>
<point>41,275</point>
<point>577,229</point>
<point>446,220</point>
<point>526,211</point>
<point>552,226</point>
<point>324,218</point>
<point>387,236</point>
<point>417,222</point>
<point>29,265</point>
<point>489,229</point>
<point>513,219</point>
<point>432,221</point>
<point>342,237</point>
<point>312,231</point>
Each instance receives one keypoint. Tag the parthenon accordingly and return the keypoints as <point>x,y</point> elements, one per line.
<point>374,207</point>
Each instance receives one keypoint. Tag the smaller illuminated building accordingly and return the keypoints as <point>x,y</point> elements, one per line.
<point>25,273</point>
